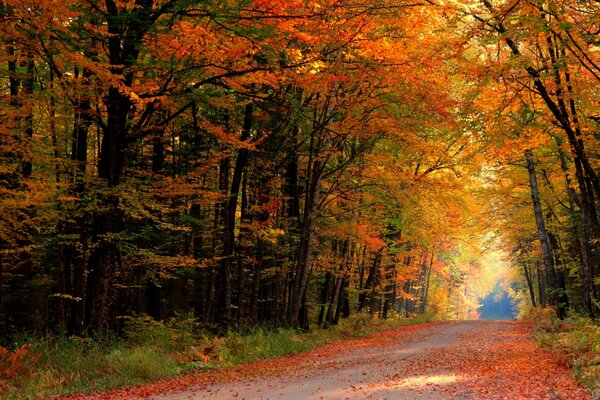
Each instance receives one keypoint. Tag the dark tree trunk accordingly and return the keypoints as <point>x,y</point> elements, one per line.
<point>370,282</point>
<point>583,232</point>
<point>222,300</point>
<point>303,264</point>
<point>229,218</point>
<point>245,293</point>
<point>562,294</point>
<point>529,284</point>
<point>540,285</point>
<point>126,29</point>
<point>554,295</point>
<point>343,308</point>
<point>326,291</point>
<point>344,270</point>
<point>375,283</point>
<point>105,258</point>
<point>427,282</point>
<point>75,250</point>
<point>27,165</point>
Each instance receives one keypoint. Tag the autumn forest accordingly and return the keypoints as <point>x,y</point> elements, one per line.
<point>293,163</point>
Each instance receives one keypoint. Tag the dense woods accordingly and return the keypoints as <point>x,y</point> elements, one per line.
<point>292,163</point>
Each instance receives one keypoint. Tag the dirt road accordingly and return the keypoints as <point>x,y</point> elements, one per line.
<point>452,360</point>
<point>482,360</point>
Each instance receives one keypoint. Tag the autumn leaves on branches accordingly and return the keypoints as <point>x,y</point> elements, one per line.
<point>265,161</point>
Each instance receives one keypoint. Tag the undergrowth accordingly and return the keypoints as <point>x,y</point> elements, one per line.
<point>577,337</point>
<point>151,350</point>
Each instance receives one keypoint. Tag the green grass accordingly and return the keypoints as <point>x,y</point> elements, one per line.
<point>72,365</point>
<point>153,350</point>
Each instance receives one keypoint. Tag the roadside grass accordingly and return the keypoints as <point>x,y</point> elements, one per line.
<point>577,337</point>
<point>151,350</point>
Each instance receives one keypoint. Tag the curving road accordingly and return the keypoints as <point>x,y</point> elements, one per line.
<point>450,360</point>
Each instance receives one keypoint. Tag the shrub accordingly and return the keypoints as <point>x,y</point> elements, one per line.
<point>577,337</point>
<point>144,364</point>
<point>177,333</point>
<point>355,323</point>
<point>545,318</point>
<point>17,362</point>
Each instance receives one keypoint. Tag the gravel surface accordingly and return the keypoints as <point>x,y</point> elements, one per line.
<point>452,360</point>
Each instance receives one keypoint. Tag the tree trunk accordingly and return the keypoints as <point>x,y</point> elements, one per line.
<point>375,282</point>
<point>302,270</point>
<point>326,291</point>
<point>540,285</point>
<point>427,282</point>
<point>583,232</point>
<point>229,218</point>
<point>344,269</point>
<point>554,296</point>
<point>27,165</point>
<point>126,31</point>
<point>343,306</point>
<point>370,282</point>
<point>222,300</point>
<point>529,284</point>
<point>76,249</point>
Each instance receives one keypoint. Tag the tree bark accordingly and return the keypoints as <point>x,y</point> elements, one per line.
<point>529,284</point>
<point>229,218</point>
<point>306,246</point>
<point>344,269</point>
<point>554,295</point>
<point>583,232</point>
<point>427,281</point>
<point>370,282</point>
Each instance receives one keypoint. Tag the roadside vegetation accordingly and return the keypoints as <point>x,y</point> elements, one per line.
<point>151,350</point>
<point>578,338</point>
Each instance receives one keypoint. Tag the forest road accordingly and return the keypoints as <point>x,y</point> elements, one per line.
<point>442,360</point>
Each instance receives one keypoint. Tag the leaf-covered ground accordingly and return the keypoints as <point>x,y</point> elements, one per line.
<point>450,360</point>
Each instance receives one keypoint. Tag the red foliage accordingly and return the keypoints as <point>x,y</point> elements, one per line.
<point>501,361</point>
<point>12,363</point>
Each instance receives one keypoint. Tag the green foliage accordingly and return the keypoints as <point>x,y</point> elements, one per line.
<point>82,365</point>
<point>356,322</point>
<point>175,334</point>
<point>261,344</point>
<point>142,364</point>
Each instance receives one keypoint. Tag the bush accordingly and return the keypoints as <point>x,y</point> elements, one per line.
<point>260,344</point>
<point>16,366</point>
<point>545,318</point>
<point>577,337</point>
<point>177,333</point>
<point>17,362</point>
<point>355,323</point>
<point>142,364</point>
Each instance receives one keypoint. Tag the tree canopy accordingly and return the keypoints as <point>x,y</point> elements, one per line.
<point>294,162</point>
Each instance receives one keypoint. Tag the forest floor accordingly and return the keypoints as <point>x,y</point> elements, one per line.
<point>440,360</point>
